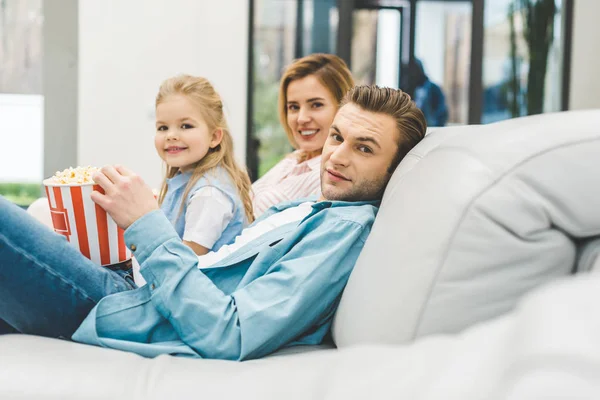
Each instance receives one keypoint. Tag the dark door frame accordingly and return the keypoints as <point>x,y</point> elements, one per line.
<point>406,41</point>
<point>476,68</point>
<point>252,143</point>
<point>567,45</point>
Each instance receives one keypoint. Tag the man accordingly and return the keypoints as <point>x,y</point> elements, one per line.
<point>278,285</point>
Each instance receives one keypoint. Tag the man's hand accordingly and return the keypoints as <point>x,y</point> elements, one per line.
<point>126,196</point>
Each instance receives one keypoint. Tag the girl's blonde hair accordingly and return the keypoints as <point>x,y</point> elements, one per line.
<point>330,70</point>
<point>200,91</point>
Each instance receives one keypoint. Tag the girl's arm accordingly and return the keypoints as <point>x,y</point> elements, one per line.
<point>198,248</point>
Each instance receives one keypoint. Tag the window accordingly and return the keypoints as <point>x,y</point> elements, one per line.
<point>522,68</point>
<point>21,100</point>
<point>443,46</point>
<point>462,61</point>
<point>274,48</point>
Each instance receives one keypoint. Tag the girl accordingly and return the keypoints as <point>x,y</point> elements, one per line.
<point>205,193</point>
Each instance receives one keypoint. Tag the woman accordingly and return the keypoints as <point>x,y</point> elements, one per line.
<point>309,95</point>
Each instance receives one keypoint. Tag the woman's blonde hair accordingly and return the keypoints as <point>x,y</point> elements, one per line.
<point>329,69</point>
<point>200,91</point>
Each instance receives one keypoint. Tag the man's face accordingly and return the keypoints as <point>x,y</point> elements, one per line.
<point>357,154</point>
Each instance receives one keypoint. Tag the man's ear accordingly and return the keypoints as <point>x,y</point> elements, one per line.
<point>217,136</point>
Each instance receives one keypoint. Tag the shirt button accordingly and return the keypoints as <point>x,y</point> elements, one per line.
<point>133,247</point>
<point>153,286</point>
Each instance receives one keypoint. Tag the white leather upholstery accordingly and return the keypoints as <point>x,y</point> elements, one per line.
<point>473,218</point>
<point>36,368</point>
<point>487,214</point>
<point>548,348</point>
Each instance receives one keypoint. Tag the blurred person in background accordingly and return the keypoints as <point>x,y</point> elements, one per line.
<point>428,96</point>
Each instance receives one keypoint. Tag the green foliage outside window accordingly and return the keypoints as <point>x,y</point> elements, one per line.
<point>22,194</point>
<point>274,144</point>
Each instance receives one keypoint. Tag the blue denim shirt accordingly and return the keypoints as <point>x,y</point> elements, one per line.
<point>281,289</point>
<point>217,178</point>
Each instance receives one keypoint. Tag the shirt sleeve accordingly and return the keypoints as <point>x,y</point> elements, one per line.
<point>208,213</point>
<point>293,297</point>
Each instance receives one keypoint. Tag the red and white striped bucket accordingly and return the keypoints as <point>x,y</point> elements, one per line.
<point>85,224</point>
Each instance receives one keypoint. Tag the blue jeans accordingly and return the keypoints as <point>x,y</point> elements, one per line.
<point>47,287</point>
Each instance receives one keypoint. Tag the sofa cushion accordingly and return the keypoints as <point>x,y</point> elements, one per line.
<point>434,137</point>
<point>548,348</point>
<point>39,368</point>
<point>485,215</point>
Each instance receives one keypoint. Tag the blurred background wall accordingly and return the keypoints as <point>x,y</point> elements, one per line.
<point>585,60</point>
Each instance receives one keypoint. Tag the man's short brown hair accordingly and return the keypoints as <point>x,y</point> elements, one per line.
<point>410,121</point>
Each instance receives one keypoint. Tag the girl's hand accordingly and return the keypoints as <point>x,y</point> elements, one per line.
<point>126,196</point>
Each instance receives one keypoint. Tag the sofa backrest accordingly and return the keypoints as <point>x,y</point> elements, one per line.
<point>472,219</point>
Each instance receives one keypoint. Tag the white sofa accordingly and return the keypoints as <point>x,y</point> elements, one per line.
<point>474,219</point>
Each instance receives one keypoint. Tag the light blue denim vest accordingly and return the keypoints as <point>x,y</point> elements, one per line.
<point>218,178</point>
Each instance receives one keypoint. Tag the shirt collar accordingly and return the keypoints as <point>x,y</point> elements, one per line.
<point>314,163</point>
<point>322,204</point>
<point>318,205</point>
<point>336,203</point>
<point>179,180</point>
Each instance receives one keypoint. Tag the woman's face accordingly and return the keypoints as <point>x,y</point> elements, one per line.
<point>310,111</point>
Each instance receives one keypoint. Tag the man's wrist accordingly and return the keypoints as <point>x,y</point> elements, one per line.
<point>148,233</point>
<point>138,217</point>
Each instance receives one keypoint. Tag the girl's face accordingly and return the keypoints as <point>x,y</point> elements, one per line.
<point>310,111</point>
<point>182,136</point>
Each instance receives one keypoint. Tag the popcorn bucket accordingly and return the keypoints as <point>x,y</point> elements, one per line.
<point>84,223</point>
